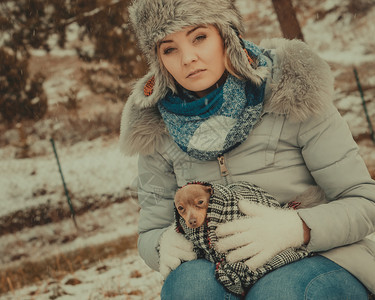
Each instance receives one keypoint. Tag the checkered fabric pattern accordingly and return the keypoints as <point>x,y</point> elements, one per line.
<point>223,207</point>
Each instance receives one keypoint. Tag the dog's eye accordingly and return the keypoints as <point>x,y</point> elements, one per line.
<point>200,202</point>
<point>180,208</point>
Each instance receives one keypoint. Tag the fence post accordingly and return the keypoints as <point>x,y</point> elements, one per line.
<point>371,128</point>
<point>73,214</point>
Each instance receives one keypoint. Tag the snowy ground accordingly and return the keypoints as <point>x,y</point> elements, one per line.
<point>101,181</point>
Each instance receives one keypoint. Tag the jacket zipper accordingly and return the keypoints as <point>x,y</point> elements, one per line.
<point>223,168</point>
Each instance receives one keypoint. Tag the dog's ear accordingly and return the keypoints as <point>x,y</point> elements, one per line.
<point>208,189</point>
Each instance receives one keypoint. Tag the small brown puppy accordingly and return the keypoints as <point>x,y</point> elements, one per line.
<point>192,202</point>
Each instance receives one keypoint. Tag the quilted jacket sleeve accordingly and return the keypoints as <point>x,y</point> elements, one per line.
<point>332,157</point>
<point>156,188</point>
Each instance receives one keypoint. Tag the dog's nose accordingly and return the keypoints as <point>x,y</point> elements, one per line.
<point>193,222</point>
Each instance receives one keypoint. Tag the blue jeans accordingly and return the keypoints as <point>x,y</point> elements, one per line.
<point>315,278</point>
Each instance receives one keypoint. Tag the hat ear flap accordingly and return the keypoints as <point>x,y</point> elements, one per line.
<point>154,86</point>
<point>149,87</point>
<point>240,59</point>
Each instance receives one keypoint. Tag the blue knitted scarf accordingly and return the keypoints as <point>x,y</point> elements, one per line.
<point>208,127</point>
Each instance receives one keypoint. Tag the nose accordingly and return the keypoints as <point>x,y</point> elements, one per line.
<point>193,222</point>
<point>189,56</point>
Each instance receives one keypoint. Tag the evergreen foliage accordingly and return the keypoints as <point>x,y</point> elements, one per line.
<point>32,24</point>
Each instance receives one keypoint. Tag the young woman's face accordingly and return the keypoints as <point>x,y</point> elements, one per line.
<point>194,57</point>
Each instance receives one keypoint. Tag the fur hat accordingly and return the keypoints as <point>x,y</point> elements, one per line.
<point>152,20</point>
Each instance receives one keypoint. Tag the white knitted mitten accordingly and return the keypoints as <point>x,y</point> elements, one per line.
<point>258,237</point>
<point>174,249</point>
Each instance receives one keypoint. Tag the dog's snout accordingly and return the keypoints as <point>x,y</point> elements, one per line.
<point>193,222</point>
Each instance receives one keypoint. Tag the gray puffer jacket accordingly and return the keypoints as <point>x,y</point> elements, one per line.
<point>300,141</point>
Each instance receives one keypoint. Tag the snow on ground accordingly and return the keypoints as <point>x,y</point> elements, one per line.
<point>125,277</point>
<point>122,277</point>
<point>96,168</point>
<point>95,227</point>
<point>89,168</point>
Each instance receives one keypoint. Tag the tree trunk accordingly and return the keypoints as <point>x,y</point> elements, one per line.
<point>287,19</point>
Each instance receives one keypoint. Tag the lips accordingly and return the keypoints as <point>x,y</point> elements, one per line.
<point>195,73</point>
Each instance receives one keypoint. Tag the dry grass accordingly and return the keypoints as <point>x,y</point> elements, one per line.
<point>57,266</point>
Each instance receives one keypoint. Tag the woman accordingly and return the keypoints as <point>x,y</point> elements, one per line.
<point>216,108</point>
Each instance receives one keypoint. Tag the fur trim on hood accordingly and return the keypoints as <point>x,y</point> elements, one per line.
<point>302,83</point>
<point>301,86</point>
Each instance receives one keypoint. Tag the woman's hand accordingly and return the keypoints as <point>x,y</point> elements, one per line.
<point>174,248</point>
<point>259,237</point>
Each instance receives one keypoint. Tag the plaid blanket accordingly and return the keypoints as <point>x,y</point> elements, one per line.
<point>223,207</point>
